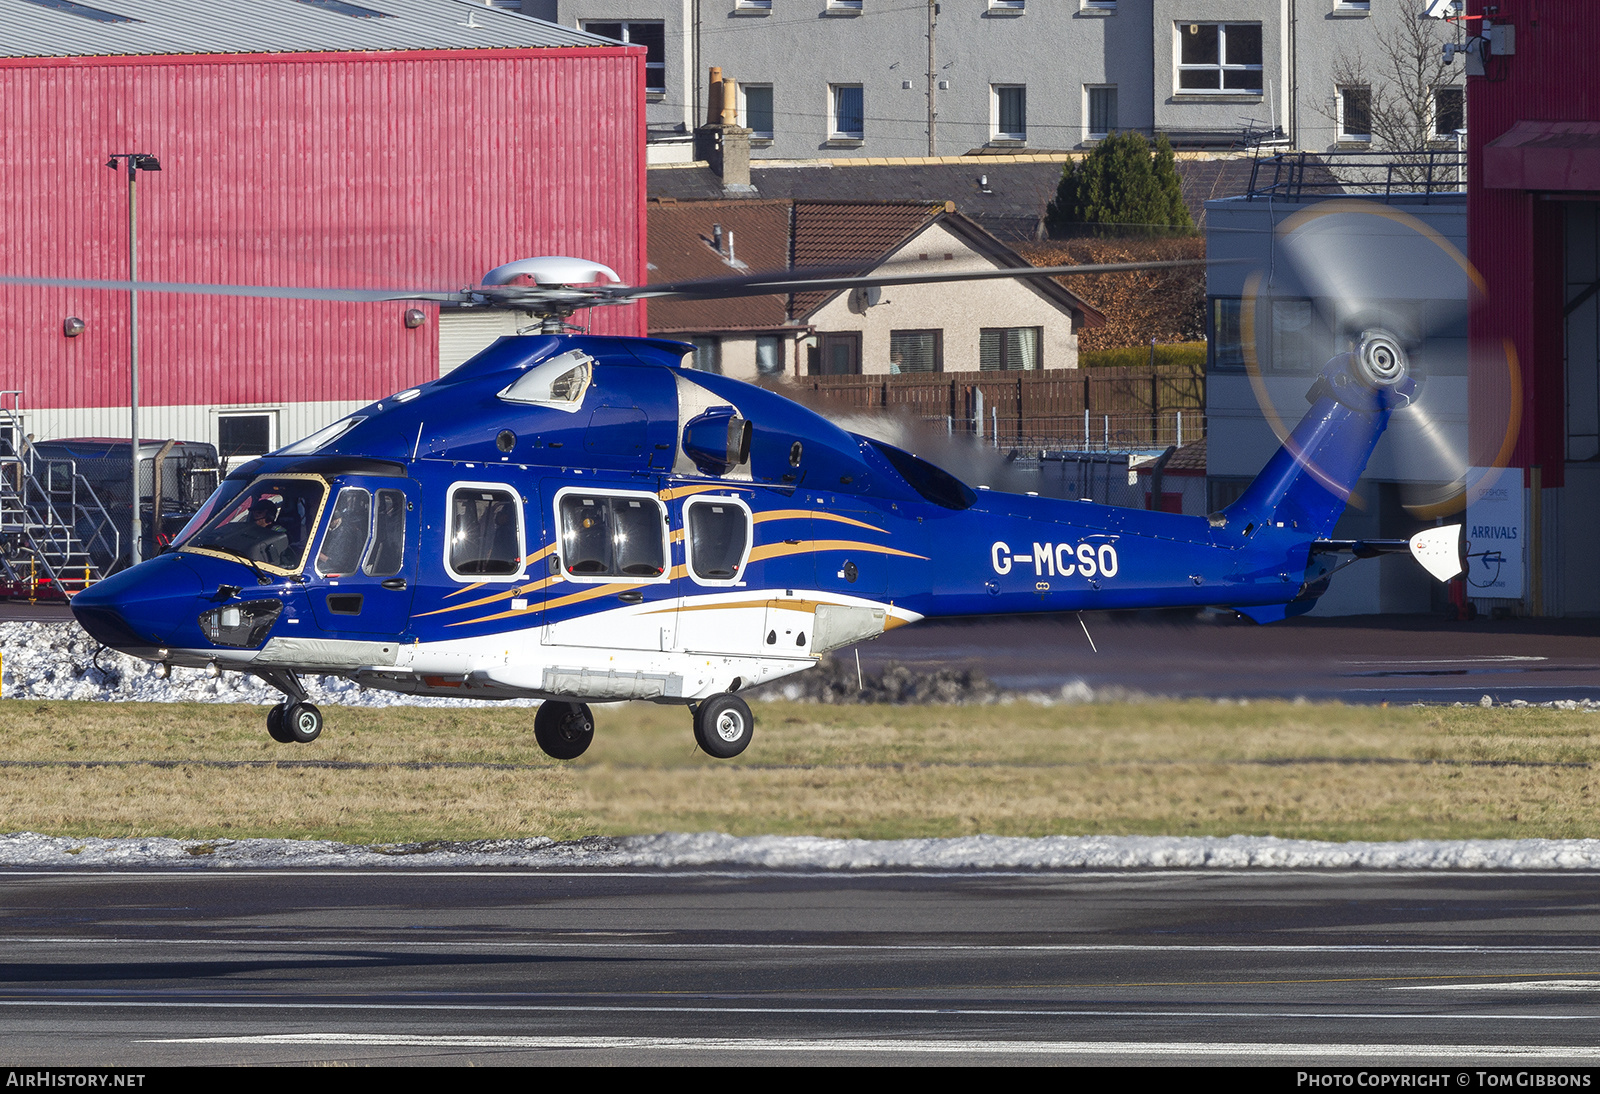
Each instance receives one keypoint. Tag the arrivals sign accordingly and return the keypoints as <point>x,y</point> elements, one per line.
<point>1496,531</point>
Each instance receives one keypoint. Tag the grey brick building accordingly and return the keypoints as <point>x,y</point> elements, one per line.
<point>843,78</point>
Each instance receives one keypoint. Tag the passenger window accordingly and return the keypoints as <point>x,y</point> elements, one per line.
<point>719,539</point>
<point>347,532</point>
<point>485,533</point>
<point>387,555</point>
<point>612,536</point>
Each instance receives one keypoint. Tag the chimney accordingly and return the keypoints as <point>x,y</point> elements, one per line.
<point>722,142</point>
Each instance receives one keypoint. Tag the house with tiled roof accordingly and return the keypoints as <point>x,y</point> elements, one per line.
<point>995,325</point>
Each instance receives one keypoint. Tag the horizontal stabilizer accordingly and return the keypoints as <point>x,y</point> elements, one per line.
<point>1439,551</point>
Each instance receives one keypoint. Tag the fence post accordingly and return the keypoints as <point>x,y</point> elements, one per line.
<point>1180,429</point>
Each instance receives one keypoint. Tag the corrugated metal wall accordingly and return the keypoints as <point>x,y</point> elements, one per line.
<point>405,170</point>
<point>1515,235</point>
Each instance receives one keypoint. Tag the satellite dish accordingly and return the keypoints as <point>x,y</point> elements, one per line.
<point>864,297</point>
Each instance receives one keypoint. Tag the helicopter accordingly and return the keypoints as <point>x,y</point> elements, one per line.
<point>581,519</point>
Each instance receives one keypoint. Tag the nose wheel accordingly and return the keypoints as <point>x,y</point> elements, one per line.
<point>723,725</point>
<point>563,730</point>
<point>294,723</point>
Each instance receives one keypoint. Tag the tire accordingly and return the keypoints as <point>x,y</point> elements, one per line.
<point>563,730</point>
<point>723,725</point>
<point>277,729</point>
<point>304,723</point>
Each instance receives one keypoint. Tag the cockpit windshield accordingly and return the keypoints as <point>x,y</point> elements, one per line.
<point>268,523</point>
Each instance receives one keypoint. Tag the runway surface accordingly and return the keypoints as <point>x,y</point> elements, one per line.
<point>1361,659</point>
<point>136,969</point>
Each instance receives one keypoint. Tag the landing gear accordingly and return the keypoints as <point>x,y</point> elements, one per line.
<point>563,730</point>
<point>723,725</point>
<point>294,723</point>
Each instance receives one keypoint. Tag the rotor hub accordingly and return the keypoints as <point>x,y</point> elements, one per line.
<point>1379,360</point>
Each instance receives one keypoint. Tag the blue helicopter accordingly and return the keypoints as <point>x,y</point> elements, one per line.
<point>583,519</point>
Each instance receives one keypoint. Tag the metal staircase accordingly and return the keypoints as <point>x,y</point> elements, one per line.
<point>55,533</point>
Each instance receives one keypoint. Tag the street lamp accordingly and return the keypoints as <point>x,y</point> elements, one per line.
<point>136,162</point>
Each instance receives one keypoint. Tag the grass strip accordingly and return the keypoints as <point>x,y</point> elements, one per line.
<point>412,774</point>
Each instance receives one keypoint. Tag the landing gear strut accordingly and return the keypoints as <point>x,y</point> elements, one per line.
<point>724,725</point>
<point>563,730</point>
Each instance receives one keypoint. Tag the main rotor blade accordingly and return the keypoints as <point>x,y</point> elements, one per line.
<point>793,281</point>
<point>266,291</point>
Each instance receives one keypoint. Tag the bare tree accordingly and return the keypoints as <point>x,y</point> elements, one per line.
<point>1401,81</point>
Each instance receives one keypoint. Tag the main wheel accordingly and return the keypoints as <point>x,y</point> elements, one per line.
<point>304,723</point>
<point>563,730</point>
<point>276,728</point>
<point>723,725</point>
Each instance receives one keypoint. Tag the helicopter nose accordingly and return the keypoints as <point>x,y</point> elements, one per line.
<point>140,607</point>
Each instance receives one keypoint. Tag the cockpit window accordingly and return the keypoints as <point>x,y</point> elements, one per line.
<point>485,533</point>
<point>321,438</point>
<point>267,523</point>
<point>347,531</point>
<point>388,551</point>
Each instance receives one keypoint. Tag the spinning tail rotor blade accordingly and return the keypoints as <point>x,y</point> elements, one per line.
<point>1340,271</point>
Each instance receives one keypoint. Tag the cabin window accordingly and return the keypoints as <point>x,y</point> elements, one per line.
<point>485,533</point>
<point>346,536</point>
<point>607,536</point>
<point>718,534</point>
<point>387,554</point>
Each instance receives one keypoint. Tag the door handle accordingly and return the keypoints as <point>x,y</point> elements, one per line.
<point>395,583</point>
<point>633,597</point>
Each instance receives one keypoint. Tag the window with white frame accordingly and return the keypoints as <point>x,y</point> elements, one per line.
<point>760,5</point>
<point>652,35</point>
<point>1010,106</point>
<point>1101,108</point>
<point>755,110</point>
<point>245,436</point>
<point>844,5</point>
<point>1008,6</point>
<point>1449,111</point>
<point>1355,113</point>
<point>1352,7</point>
<point>1219,58</point>
<point>1099,5</point>
<point>847,113</point>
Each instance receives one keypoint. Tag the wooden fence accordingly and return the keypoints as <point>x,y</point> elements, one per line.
<point>1084,409</point>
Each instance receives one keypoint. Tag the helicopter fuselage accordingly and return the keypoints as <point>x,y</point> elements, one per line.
<point>660,534</point>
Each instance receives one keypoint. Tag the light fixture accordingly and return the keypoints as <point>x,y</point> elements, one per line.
<point>72,326</point>
<point>414,318</point>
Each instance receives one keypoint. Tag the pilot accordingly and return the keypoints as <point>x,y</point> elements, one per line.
<point>269,539</point>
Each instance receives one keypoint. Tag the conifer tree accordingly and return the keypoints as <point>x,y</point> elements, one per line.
<point>1123,188</point>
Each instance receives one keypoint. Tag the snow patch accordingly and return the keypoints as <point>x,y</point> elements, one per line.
<point>51,660</point>
<point>714,849</point>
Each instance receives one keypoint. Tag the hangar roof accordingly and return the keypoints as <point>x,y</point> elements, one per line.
<point>108,28</point>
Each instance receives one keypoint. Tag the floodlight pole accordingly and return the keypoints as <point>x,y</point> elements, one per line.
<point>136,162</point>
